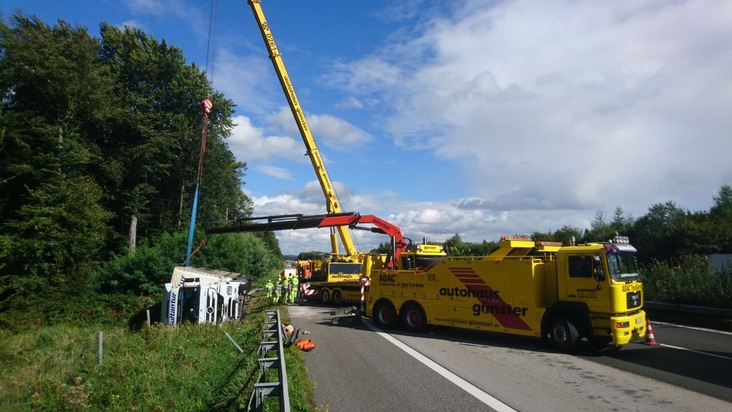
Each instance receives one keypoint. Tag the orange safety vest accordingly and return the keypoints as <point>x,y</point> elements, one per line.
<point>306,345</point>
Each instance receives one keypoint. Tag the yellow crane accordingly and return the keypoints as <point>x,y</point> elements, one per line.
<point>332,204</point>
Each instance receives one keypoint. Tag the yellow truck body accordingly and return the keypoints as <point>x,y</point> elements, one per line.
<point>561,294</point>
<point>337,282</point>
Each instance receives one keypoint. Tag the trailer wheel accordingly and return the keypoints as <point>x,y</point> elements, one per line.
<point>563,335</point>
<point>324,296</point>
<point>414,318</point>
<point>337,297</point>
<point>385,315</point>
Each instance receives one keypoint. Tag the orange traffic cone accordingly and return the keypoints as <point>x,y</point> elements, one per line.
<point>650,339</point>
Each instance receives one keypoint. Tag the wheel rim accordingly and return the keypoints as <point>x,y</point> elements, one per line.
<point>559,332</point>
<point>324,296</point>
<point>384,315</point>
<point>413,318</point>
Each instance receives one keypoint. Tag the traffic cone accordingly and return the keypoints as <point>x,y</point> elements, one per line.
<point>650,339</point>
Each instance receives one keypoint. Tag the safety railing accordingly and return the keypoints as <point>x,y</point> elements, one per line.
<point>271,355</point>
<point>698,310</point>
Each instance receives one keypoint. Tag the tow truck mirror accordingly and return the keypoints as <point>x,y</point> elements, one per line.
<point>599,272</point>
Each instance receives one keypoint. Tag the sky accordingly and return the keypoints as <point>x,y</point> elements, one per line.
<point>480,118</point>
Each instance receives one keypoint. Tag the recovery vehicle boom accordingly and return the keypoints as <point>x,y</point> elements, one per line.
<point>349,220</point>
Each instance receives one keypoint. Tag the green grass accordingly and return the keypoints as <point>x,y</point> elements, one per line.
<point>187,368</point>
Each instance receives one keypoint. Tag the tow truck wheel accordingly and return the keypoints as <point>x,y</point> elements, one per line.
<point>325,296</point>
<point>414,318</point>
<point>337,297</point>
<point>563,335</point>
<point>385,315</point>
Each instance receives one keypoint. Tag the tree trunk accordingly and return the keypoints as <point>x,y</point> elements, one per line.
<point>180,210</point>
<point>133,233</point>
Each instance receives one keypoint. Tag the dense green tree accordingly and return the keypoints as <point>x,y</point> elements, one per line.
<point>720,215</point>
<point>656,234</point>
<point>92,132</point>
<point>53,96</point>
<point>602,230</point>
<point>311,255</point>
<point>566,234</point>
<point>271,243</point>
<point>156,143</point>
<point>455,246</point>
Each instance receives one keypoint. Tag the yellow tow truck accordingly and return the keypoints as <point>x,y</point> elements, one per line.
<point>562,294</point>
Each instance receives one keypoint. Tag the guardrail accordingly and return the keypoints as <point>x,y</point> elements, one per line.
<point>699,310</point>
<point>271,355</point>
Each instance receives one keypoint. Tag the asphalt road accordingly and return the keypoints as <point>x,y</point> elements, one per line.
<point>356,367</point>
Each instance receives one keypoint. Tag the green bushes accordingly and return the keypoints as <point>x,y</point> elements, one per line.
<point>145,271</point>
<point>694,282</point>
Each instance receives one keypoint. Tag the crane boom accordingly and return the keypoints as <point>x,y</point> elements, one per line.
<point>331,200</point>
<point>350,220</point>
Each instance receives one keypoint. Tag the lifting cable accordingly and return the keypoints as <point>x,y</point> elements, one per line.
<point>206,106</point>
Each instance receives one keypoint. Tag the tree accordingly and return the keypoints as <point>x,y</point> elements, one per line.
<point>656,234</point>
<point>566,235</point>
<point>311,255</point>
<point>720,215</point>
<point>92,132</point>
<point>53,95</point>
<point>454,246</point>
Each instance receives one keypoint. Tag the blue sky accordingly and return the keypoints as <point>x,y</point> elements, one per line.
<point>482,118</point>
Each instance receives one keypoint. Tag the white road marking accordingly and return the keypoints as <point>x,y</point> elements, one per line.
<point>695,351</point>
<point>460,382</point>
<point>694,328</point>
<point>692,350</point>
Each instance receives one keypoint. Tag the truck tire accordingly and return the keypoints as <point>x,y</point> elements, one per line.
<point>414,318</point>
<point>324,296</point>
<point>563,335</point>
<point>385,315</point>
<point>336,297</point>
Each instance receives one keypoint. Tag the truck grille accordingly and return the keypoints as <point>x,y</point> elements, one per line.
<point>633,299</point>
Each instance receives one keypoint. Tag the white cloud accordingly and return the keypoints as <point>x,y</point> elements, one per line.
<point>566,105</point>
<point>241,77</point>
<point>328,130</point>
<point>338,133</point>
<point>555,110</point>
<point>350,102</point>
<point>249,144</point>
<point>276,172</point>
<point>135,24</point>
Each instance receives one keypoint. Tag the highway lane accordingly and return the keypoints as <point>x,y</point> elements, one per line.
<point>355,368</point>
<point>691,358</point>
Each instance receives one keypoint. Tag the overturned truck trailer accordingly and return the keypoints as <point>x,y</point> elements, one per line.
<point>200,295</point>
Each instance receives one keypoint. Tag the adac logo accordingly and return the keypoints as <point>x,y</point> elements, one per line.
<point>384,278</point>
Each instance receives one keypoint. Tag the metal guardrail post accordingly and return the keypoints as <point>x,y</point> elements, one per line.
<point>273,342</point>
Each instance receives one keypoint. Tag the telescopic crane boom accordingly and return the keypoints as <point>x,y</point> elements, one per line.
<point>331,200</point>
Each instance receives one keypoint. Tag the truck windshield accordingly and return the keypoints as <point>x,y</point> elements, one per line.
<point>347,268</point>
<point>622,266</point>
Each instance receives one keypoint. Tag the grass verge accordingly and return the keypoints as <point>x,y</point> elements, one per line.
<point>187,368</point>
